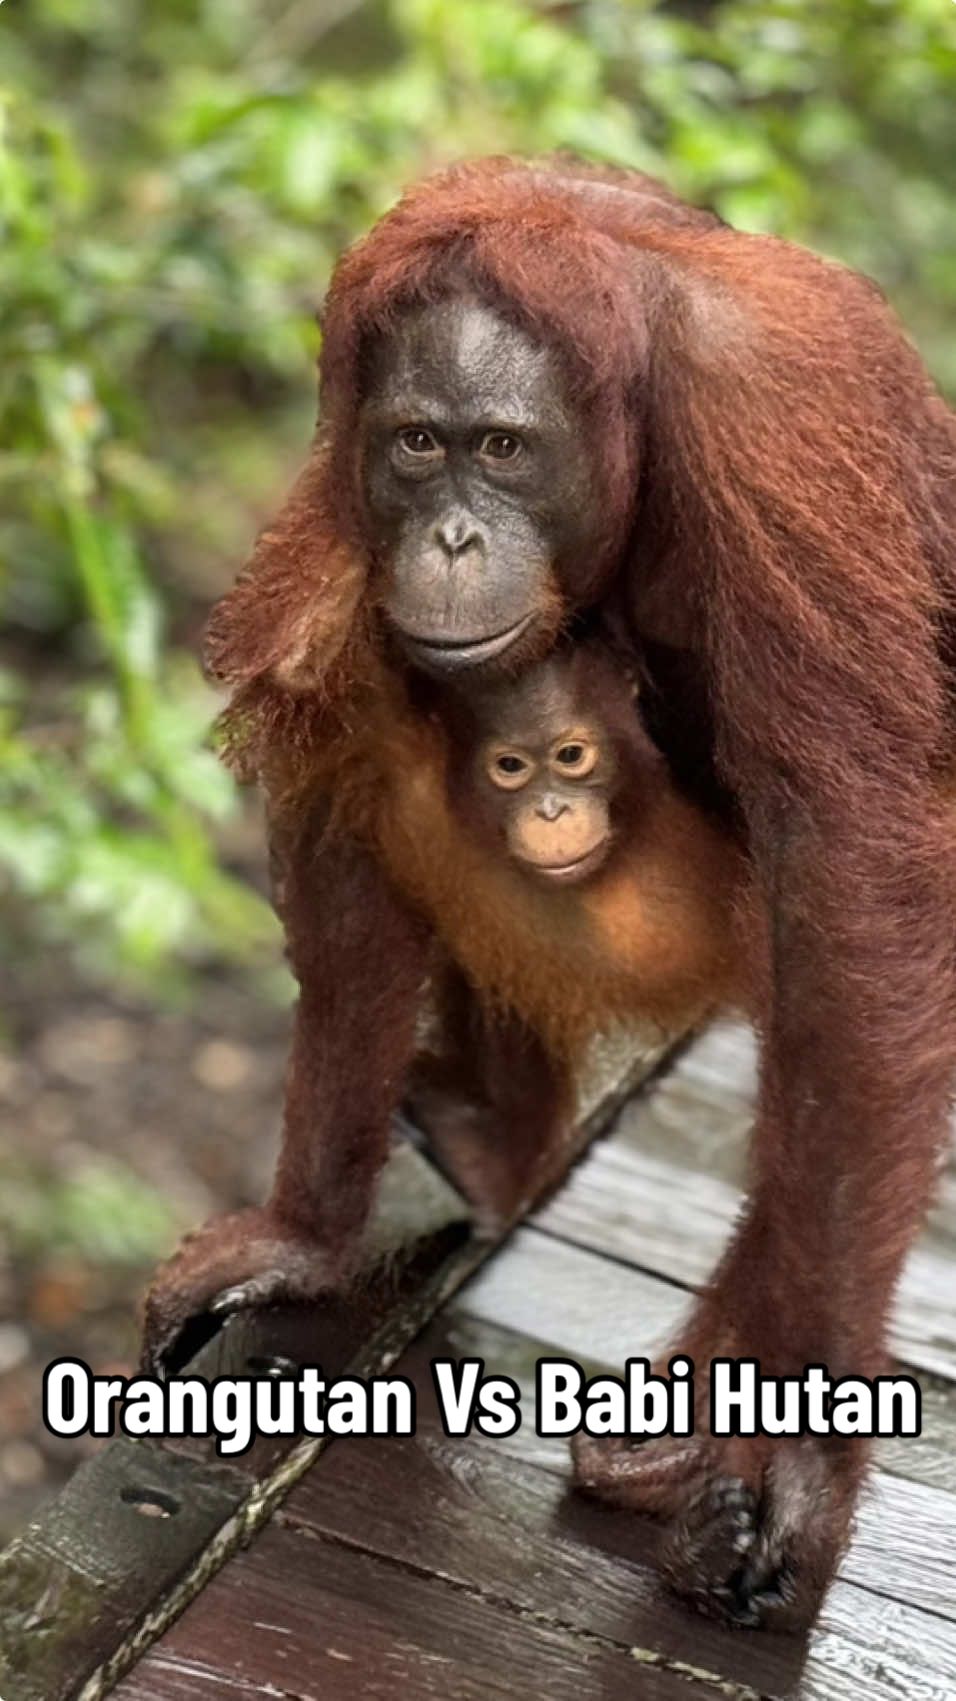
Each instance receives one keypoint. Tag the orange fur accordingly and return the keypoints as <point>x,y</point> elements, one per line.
<point>655,938</point>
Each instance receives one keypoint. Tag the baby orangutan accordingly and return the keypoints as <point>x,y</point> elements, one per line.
<point>596,894</point>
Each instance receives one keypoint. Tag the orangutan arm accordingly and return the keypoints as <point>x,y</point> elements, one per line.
<point>360,958</point>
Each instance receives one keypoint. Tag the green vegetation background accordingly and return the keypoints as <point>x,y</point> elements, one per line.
<point>176,180</point>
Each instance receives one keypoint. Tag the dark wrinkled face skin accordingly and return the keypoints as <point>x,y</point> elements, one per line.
<point>545,773</point>
<point>477,486</point>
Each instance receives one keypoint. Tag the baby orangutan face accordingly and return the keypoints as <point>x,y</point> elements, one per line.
<point>545,775</point>
<point>554,813</point>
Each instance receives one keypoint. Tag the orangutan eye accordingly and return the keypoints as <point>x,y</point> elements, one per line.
<point>576,758</point>
<point>501,446</point>
<point>416,441</point>
<point>509,770</point>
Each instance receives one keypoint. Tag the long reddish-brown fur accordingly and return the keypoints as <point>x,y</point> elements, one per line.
<point>779,486</point>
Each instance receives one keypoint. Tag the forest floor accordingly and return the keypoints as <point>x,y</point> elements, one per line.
<point>121,1125</point>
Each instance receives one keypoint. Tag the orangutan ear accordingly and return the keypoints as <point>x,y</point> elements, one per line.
<point>296,602</point>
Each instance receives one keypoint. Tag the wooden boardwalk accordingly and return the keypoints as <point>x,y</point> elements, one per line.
<point>427,1567</point>
<point>466,1570</point>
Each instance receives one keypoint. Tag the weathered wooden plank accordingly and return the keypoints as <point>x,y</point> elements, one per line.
<point>96,1621</point>
<point>463,1510</point>
<point>929,1458</point>
<point>873,1649</point>
<point>868,1654</point>
<point>557,1292</point>
<point>64,1585</point>
<point>491,1530</point>
<point>173,1679</point>
<point>354,1625</point>
<point>186,1681</point>
<point>494,1524</point>
<point>574,1301</point>
<point>663,1193</point>
<point>421,1248</point>
<point>904,1544</point>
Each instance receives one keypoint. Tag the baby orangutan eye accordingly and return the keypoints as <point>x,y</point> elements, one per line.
<point>575,758</point>
<point>509,770</point>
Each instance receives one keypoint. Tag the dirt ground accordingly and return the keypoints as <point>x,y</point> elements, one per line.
<point>185,1103</point>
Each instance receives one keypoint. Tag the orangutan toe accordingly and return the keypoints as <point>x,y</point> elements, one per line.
<point>762,1553</point>
<point>705,1550</point>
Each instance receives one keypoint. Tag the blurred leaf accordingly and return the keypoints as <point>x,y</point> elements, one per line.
<point>102,1213</point>
<point>176,181</point>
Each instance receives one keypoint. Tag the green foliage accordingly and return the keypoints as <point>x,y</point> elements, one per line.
<point>176,180</point>
<point>834,125</point>
<point>103,1213</point>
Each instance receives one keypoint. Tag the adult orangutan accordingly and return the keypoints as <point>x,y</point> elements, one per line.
<point>547,393</point>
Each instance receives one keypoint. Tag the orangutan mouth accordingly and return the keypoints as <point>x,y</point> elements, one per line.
<point>449,654</point>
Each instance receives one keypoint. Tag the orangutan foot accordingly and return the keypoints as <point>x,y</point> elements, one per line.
<point>753,1527</point>
<point>233,1263</point>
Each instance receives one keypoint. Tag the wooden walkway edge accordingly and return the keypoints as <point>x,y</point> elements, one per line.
<point>143,1526</point>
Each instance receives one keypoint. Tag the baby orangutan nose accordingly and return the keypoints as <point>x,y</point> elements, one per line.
<point>551,807</point>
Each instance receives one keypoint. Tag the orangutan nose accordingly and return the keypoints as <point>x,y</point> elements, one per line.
<point>551,808</point>
<point>457,532</point>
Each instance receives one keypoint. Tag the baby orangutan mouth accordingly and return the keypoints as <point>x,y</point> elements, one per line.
<point>578,868</point>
